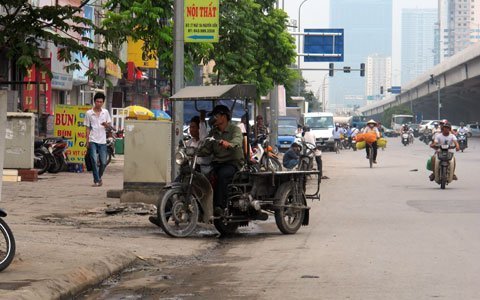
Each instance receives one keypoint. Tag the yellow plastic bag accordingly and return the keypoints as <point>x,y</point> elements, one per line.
<point>382,143</point>
<point>361,145</point>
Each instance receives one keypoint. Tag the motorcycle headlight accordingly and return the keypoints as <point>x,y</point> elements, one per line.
<point>180,158</point>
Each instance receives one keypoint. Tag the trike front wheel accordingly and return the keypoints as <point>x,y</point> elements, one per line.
<point>177,215</point>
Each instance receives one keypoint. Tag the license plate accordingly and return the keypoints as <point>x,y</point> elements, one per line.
<point>284,146</point>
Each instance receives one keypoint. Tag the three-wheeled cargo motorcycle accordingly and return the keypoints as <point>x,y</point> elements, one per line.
<point>252,194</point>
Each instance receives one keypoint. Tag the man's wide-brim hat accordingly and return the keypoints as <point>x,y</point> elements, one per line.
<point>220,109</point>
<point>372,121</point>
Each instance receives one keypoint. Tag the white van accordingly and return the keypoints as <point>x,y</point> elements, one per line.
<point>321,123</point>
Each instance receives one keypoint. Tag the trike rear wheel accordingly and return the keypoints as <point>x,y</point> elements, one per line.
<point>289,215</point>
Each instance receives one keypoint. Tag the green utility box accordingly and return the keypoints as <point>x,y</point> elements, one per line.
<point>119,146</point>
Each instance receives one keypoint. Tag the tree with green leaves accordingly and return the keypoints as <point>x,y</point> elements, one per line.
<point>254,46</point>
<point>151,22</point>
<point>24,28</point>
<point>296,85</point>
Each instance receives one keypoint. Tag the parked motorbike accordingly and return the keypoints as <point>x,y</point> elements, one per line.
<point>7,242</point>
<point>58,148</point>
<point>264,155</point>
<point>444,167</point>
<point>462,141</point>
<point>111,139</point>
<point>42,159</point>
<point>189,200</point>
<point>307,156</point>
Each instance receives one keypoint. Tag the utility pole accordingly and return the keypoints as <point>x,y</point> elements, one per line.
<point>3,126</point>
<point>436,81</point>
<point>274,116</point>
<point>178,80</point>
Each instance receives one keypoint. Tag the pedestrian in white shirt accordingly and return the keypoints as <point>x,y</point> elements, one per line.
<point>309,137</point>
<point>96,121</point>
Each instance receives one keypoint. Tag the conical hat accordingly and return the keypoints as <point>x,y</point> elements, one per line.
<point>372,121</point>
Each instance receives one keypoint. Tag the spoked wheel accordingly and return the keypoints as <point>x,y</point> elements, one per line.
<point>178,217</point>
<point>272,164</point>
<point>289,216</point>
<point>304,165</point>
<point>370,156</point>
<point>40,162</point>
<point>443,176</point>
<point>225,228</point>
<point>7,245</point>
<point>57,166</point>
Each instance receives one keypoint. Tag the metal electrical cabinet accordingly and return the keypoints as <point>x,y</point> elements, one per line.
<point>147,159</point>
<point>19,141</point>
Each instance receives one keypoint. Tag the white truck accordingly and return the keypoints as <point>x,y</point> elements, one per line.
<point>321,123</point>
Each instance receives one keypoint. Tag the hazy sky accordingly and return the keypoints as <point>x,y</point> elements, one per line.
<point>315,14</point>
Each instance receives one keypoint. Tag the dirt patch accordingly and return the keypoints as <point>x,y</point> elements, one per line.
<point>192,277</point>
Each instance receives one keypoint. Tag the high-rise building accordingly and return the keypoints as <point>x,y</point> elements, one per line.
<point>458,26</point>
<point>368,29</point>
<point>378,76</point>
<point>418,42</point>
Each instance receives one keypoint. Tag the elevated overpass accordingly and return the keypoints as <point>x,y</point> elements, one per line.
<point>459,81</point>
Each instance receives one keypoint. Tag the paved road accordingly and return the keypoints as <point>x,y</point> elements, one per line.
<point>382,233</point>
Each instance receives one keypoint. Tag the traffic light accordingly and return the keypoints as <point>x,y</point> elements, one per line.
<point>362,70</point>
<point>331,69</point>
<point>381,90</point>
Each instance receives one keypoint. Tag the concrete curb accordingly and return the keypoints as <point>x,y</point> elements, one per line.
<point>76,281</point>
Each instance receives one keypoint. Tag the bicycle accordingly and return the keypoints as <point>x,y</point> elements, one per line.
<point>370,154</point>
<point>7,243</point>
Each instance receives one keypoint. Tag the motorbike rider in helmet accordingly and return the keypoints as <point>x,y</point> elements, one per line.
<point>462,129</point>
<point>444,138</point>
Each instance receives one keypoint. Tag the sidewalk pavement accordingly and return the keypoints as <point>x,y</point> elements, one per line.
<point>67,243</point>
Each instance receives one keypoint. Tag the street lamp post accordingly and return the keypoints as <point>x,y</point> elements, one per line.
<point>324,104</point>
<point>299,30</point>
<point>178,80</point>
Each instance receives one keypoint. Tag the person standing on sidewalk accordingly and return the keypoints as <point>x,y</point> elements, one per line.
<point>97,120</point>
